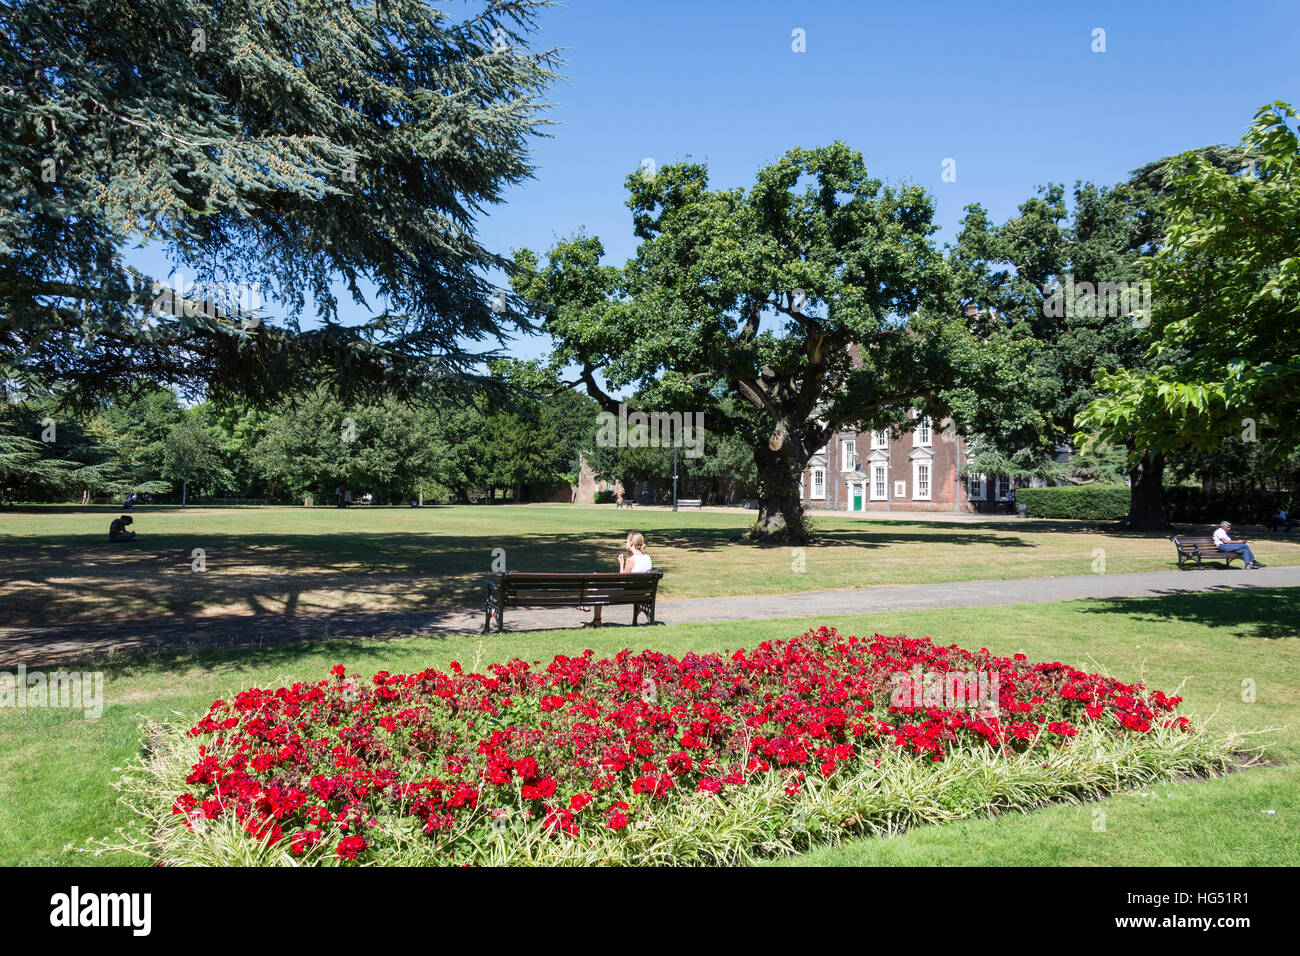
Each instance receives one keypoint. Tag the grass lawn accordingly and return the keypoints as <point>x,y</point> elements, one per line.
<point>57,566</point>
<point>56,768</point>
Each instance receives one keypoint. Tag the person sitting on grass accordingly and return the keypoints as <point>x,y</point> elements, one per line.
<point>1224,540</point>
<point>631,560</point>
<point>117,531</point>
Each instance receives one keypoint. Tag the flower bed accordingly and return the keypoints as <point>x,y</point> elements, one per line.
<point>589,760</point>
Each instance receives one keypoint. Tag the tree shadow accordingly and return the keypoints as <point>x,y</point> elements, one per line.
<point>242,657</point>
<point>1257,612</point>
<point>82,577</point>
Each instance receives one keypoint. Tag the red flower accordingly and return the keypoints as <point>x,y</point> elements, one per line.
<point>539,791</point>
<point>349,847</point>
<point>337,759</point>
<point>308,838</point>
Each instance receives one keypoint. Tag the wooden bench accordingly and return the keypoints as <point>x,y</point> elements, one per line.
<point>1198,549</point>
<point>690,502</point>
<point>559,589</point>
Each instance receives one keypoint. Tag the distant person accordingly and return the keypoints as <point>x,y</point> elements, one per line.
<point>338,496</point>
<point>1224,541</point>
<point>367,498</point>
<point>118,530</point>
<point>1280,519</point>
<point>347,497</point>
<point>129,503</point>
<point>633,559</point>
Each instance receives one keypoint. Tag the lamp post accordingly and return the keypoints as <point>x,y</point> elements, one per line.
<point>674,476</point>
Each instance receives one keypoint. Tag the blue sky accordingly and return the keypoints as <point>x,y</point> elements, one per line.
<point>1012,91</point>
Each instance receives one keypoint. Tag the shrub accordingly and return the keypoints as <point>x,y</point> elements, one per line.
<point>604,498</point>
<point>645,758</point>
<point>1086,502</point>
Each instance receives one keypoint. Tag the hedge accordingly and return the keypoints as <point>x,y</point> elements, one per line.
<point>1089,502</point>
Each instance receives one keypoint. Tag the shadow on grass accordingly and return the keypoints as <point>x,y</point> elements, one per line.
<point>1243,612</point>
<point>1256,612</point>
<point>83,577</point>
<point>245,658</point>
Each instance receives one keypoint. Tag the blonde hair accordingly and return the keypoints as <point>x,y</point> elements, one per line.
<point>636,539</point>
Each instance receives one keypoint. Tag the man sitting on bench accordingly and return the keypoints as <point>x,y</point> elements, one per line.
<point>117,531</point>
<point>1223,540</point>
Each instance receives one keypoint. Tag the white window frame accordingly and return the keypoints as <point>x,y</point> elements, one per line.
<point>848,451</point>
<point>818,472</point>
<point>880,441</point>
<point>879,470</point>
<point>981,481</point>
<point>924,433</point>
<point>1001,487</point>
<point>922,486</point>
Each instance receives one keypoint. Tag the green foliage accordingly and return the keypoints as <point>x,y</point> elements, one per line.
<point>112,450</point>
<point>723,458</point>
<point>1098,462</point>
<point>23,465</point>
<point>753,298</point>
<point>312,444</point>
<point>192,456</point>
<point>1056,275</point>
<point>1224,356</point>
<point>1085,502</point>
<point>291,146</point>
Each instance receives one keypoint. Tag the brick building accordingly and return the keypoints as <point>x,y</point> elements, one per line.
<point>896,470</point>
<point>584,492</point>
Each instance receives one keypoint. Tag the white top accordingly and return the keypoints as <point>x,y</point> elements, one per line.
<point>640,564</point>
<point>1221,537</point>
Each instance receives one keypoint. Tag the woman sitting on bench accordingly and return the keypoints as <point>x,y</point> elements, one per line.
<point>631,560</point>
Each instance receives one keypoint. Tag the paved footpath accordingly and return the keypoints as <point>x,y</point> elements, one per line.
<point>63,644</point>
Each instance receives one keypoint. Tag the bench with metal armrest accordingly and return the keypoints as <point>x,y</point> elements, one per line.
<point>561,589</point>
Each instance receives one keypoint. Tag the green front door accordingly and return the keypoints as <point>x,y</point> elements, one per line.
<point>857,497</point>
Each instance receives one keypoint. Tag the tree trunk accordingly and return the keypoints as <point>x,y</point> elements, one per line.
<point>519,492</point>
<point>780,510</point>
<point>1146,506</point>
